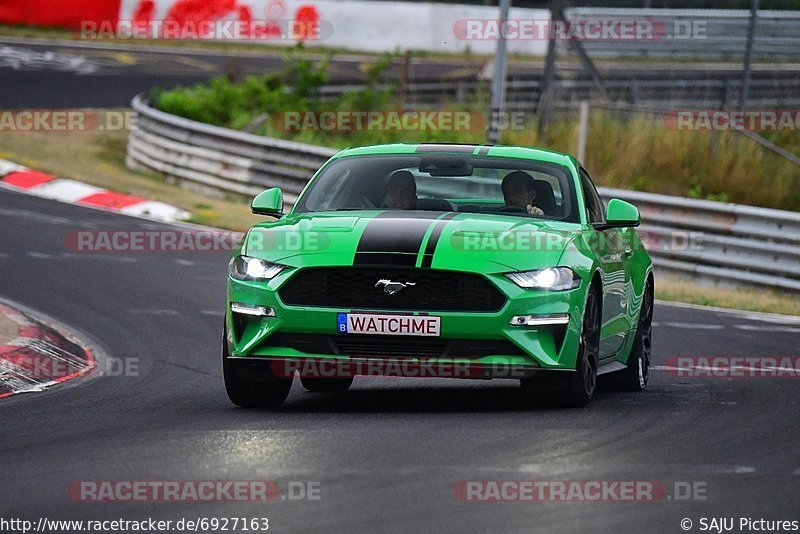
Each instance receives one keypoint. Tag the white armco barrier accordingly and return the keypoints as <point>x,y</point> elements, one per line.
<point>356,24</point>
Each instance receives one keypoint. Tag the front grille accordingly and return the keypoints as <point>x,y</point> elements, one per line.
<point>370,346</point>
<point>353,288</point>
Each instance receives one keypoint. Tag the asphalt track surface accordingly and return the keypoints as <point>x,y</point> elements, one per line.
<point>388,453</point>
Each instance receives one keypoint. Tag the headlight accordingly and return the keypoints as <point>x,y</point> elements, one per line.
<point>550,279</point>
<point>247,268</point>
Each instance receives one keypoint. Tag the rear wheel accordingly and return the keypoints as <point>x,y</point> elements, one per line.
<point>326,385</point>
<point>637,372</point>
<point>252,387</point>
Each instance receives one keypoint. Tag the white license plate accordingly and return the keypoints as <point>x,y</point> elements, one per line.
<point>388,325</point>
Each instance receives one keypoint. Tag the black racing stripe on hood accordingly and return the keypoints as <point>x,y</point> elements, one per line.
<point>433,240</point>
<point>385,259</point>
<point>393,238</point>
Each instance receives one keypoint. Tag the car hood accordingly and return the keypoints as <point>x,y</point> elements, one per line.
<point>475,242</point>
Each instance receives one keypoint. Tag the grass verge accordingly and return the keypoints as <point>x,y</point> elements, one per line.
<point>757,300</point>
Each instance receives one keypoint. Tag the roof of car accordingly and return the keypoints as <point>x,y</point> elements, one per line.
<point>519,152</point>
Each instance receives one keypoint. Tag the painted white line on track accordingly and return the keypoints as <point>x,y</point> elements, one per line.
<point>766,328</point>
<point>726,369</point>
<point>745,327</point>
<point>694,326</point>
<point>41,255</point>
<point>727,469</point>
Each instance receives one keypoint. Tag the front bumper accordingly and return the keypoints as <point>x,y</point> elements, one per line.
<point>486,344</point>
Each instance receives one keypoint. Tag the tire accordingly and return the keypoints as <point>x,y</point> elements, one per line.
<point>637,372</point>
<point>264,391</point>
<point>582,384</point>
<point>326,385</point>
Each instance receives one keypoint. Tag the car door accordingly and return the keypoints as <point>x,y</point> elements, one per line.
<point>608,246</point>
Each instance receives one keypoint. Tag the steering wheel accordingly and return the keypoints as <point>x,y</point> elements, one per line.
<point>513,209</point>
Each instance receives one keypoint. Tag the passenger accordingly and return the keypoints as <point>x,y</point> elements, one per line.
<point>401,191</point>
<point>519,192</point>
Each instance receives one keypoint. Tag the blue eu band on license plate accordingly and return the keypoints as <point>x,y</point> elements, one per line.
<point>388,325</point>
<point>342,323</point>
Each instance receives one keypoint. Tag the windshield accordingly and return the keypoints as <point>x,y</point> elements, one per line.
<point>477,184</point>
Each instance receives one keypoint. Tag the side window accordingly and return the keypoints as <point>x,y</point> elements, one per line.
<point>596,212</point>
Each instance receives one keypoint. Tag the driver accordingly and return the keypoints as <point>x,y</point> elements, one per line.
<point>401,191</point>
<point>519,191</point>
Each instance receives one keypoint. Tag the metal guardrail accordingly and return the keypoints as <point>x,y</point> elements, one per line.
<point>718,241</point>
<point>725,243</point>
<point>767,91</point>
<point>721,33</point>
<point>218,160</point>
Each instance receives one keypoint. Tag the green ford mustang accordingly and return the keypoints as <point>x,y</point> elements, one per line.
<point>440,261</point>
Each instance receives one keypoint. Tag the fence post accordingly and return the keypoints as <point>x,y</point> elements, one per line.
<point>748,56</point>
<point>583,131</point>
<point>499,78</point>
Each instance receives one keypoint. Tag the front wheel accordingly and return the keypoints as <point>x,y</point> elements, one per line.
<point>261,389</point>
<point>578,387</point>
<point>582,384</point>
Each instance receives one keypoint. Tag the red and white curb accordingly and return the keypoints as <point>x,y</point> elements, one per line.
<point>36,183</point>
<point>39,357</point>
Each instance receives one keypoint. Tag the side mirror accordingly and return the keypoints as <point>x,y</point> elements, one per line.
<point>269,202</point>
<point>620,214</point>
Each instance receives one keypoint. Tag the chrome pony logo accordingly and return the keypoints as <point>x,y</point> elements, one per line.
<point>391,288</point>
